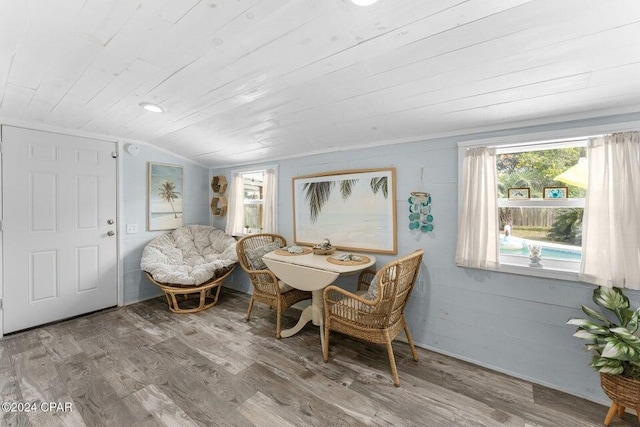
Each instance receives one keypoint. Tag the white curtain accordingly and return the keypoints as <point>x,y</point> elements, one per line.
<point>269,209</point>
<point>478,222</point>
<point>235,222</point>
<point>610,229</point>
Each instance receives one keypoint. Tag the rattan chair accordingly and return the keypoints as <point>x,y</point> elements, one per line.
<point>266,286</point>
<point>379,320</point>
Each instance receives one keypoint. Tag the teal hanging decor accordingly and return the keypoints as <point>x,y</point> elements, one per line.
<point>420,217</point>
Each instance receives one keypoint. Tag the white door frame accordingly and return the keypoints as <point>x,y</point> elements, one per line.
<point>120,221</point>
<point>119,202</point>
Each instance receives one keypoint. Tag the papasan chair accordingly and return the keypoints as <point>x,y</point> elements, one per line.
<point>190,262</point>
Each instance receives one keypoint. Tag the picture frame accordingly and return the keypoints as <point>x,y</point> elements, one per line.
<point>519,193</point>
<point>555,192</point>
<point>354,209</point>
<point>165,194</point>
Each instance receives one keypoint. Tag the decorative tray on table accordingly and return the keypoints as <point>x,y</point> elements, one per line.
<point>323,251</point>
<point>293,251</point>
<point>324,248</point>
<point>348,259</point>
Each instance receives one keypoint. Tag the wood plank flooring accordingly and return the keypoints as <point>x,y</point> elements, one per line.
<point>141,365</point>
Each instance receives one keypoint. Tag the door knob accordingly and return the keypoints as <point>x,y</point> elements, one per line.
<point>109,221</point>
<point>110,233</point>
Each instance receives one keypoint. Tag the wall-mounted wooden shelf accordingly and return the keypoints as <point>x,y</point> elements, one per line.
<point>219,206</point>
<point>219,184</point>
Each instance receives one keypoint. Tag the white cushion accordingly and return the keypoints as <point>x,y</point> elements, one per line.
<point>372,292</point>
<point>189,255</point>
<point>254,256</point>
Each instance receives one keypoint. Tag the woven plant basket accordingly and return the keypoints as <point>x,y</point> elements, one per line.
<point>624,393</point>
<point>622,390</point>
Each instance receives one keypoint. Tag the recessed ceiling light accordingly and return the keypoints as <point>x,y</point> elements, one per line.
<point>363,2</point>
<point>154,108</point>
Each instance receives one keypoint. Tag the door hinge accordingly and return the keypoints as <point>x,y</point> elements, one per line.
<point>0,225</point>
<point>0,304</point>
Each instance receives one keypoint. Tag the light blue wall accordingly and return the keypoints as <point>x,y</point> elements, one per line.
<point>134,176</point>
<point>514,324</point>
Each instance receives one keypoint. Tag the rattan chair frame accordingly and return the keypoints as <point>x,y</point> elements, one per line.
<point>264,282</point>
<point>378,321</point>
<point>204,293</point>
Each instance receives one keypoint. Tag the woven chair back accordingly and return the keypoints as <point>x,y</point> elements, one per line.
<point>396,281</point>
<point>263,282</point>
<point>254,241</point>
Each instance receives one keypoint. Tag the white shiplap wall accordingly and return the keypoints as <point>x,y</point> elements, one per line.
<point>514,324</point>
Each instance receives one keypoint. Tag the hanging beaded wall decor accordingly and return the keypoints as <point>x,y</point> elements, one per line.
<point>420,217</point>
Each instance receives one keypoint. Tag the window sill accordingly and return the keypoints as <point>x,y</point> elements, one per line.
<point>546,272</point>
<point>552,269</point>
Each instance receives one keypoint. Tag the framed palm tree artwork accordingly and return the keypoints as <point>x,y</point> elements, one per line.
<point>354,209</point>
<point>164,197</point>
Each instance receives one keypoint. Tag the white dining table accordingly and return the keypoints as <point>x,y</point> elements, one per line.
<point>310,272</point>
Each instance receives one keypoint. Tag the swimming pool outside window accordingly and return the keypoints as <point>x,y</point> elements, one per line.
<point>550,219</point>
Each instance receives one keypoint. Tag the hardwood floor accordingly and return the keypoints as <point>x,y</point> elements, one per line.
<point>141,365</point>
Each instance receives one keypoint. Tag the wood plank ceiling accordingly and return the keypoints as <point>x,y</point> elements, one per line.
<point>252,80</point>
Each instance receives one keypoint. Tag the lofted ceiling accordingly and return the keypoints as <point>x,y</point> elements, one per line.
<point>251,80</point>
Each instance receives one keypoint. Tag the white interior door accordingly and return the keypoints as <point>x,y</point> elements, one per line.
<point>59,223</point>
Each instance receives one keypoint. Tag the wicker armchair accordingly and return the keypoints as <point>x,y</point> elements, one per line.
<point>266,286</point>
<point>377,320</point>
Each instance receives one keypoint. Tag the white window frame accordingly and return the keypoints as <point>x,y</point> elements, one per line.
<point>255,201</point>
<point>568,266</point>
<point>509,143</point>
<point>256,169</point>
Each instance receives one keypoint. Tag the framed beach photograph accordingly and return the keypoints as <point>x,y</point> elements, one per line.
<point>519,193</point>
<point>555,192</point>
<point>354,209</point>
<point>164,197</point>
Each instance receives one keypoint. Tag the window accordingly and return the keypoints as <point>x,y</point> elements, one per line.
<point>252,202</point>
<point>253,183</point>
<point>517,200</point>
<point>541,191</point>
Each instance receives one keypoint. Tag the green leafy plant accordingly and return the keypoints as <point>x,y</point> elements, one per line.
<point>567,226</point>
<point>616,346</point>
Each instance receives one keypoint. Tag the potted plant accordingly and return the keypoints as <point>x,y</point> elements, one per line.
<point>246,229</point>
<point>616,347</point>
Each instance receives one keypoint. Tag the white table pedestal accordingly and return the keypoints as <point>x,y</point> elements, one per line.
<point>313,312</point>
<point>306,279</point>
<point>309,273</point>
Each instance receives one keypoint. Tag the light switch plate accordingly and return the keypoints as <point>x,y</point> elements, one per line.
<point>132,228</point>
